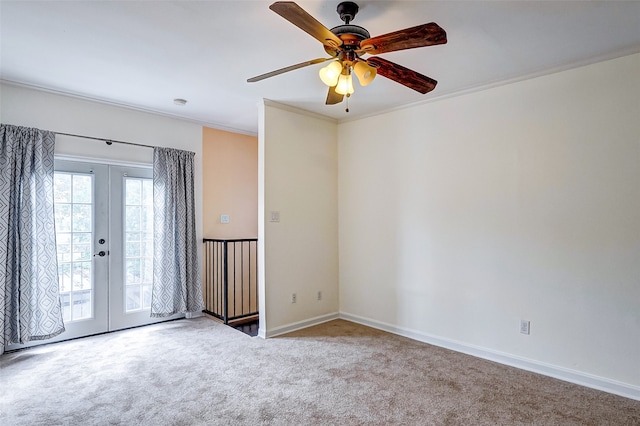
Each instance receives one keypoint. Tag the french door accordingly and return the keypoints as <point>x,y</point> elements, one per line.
<point>104,238</point>
<point>81,202</point>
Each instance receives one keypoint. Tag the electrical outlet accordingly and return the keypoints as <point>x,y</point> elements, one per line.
<point>224,218</point>
<point>524,326</point>
<point>319,296</point>
<point>294,298</point>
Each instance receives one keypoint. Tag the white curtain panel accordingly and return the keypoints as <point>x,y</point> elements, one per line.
<point>176,278</point>
<point>29,295</point>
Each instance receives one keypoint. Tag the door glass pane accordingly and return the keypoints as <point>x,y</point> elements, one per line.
<point>138,243</point>
<point>73,204</point>
<point>82,185</point>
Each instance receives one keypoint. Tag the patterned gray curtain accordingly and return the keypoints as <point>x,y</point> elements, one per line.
<point>176,279</point>
<point>29,297</point>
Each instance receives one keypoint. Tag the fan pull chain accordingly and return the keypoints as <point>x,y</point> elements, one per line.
<point>347,108</point>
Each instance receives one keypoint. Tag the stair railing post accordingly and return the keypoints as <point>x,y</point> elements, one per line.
<point>225,288</point>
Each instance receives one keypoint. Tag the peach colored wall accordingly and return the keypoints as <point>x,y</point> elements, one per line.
<point>230,184</point>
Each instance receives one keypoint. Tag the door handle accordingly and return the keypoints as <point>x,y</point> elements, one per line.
<point>101,253</point>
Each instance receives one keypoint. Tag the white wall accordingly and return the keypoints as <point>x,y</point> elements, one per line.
<point>460,217</point>
<point>47,111</point>
<point>297,176</point>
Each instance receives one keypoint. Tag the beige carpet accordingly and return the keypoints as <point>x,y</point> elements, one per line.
<point>196,372</point>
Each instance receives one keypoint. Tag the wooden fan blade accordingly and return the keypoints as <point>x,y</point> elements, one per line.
<point>405,76</point>
<point>301,19</point>
<point>287,69</point>
<point>409,38</point>
<point>333,97</point>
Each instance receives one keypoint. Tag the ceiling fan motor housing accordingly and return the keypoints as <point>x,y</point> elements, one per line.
<point>351,36</point>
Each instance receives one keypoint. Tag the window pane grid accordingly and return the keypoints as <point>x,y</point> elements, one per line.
<point>73,205</point>
<point>138,245</point>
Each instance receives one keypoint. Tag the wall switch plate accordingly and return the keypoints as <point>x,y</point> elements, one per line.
<point>524,326</point>
<point>224,218</point>
<point>274,216</point>
<point>294,298</point>
<point>319,296</point>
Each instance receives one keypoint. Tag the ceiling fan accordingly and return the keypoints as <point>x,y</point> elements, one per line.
<point>347,43</point>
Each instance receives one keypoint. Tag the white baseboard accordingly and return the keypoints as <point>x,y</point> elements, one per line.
<point>296,325</point>
<point>561,373</point>
<point>262,332</point>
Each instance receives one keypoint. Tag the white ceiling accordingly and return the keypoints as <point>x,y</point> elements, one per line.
<point>143,54</point>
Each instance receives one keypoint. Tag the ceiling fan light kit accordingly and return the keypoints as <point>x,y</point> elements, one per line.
<point>345,84</point>
<point>347,44</point>
<point>365,72</point>
<point>329,74</point>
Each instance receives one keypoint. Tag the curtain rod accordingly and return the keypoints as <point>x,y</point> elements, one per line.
<point>108,141</point>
